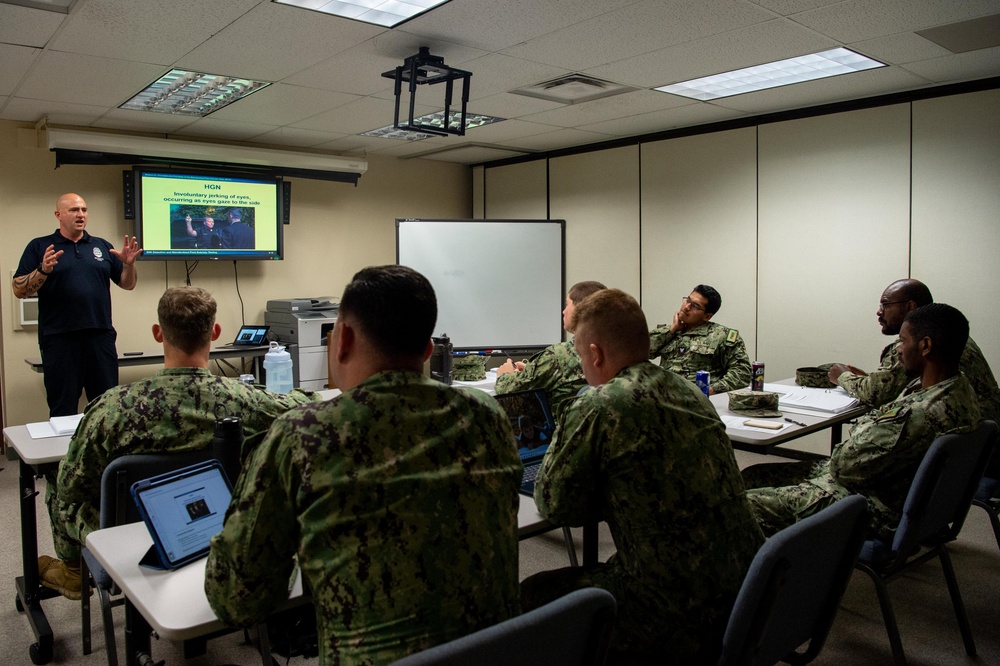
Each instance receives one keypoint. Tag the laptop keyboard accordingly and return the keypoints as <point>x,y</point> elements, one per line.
<point>530,472</point>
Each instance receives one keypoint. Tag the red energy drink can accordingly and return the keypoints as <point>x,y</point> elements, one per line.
<point>703,380</point>
<point>757,376</point>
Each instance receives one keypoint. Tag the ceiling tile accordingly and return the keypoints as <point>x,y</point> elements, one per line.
<point>16,60</point>
<point>68,77</point>
<point>488,24</point>
<point>145,31</point>
<point>358,70</point>
<point>560,138</point>
<point>365,114</point>
<point>698,113</point>
<point>288,136</point>
<point>230,130</point>
<point>962,66</point>
<point>24,26</point>
<point>751,45</point>
<point>859,20</point>
<point>900,48</point>
<point>59,113</point>
<point>280,104</point>
<point>636,29</point>
<point>607,108</point>
<point>274,41</point>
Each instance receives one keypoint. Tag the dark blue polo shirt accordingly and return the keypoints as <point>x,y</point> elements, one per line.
<point>77,295</point>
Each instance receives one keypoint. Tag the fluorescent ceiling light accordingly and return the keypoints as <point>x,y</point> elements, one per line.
<point>191,93</point>
<point>436,119</point>
<point>387,13</point>
<point>774,74</point>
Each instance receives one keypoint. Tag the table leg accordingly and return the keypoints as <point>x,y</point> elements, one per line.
<point>590,539</point>
<point>29,593</point>
<point>836,435</point>
<point>138,645</point>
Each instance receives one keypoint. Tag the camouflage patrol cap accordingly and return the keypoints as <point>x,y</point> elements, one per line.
<point>468,368</point>
<point>817,377</point>
<point>753,403</point>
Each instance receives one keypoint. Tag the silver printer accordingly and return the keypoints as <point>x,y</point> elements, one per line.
<point>303,323</point>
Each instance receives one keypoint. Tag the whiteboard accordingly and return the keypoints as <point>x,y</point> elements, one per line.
<point>499,283</point>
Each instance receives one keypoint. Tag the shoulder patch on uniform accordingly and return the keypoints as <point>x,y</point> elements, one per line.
<point>892,414</point>
<point>733,336</point>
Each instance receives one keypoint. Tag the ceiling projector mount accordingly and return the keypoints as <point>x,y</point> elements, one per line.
<point>426,69</point>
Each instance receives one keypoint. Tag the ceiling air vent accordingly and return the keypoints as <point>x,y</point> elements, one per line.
<point>573,89</point>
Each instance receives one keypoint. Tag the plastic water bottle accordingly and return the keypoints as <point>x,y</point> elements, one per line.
<point>278,368</point>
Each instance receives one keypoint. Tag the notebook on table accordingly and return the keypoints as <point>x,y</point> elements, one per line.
<point>533,426</point>
<point>182,510</point>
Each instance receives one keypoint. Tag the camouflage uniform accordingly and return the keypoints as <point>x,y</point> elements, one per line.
<point>878,460</point>
<point>647,453</point>
<point>399,499</point>
<point>886,383</point>
<point>174,410</point>
<point>555,370</point>
<point>711,347</point>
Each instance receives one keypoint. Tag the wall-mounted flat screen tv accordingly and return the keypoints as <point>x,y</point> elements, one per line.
<point>196,215</point>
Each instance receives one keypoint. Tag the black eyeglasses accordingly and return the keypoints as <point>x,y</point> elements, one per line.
<point>884,304</point>
<point>686,300</point>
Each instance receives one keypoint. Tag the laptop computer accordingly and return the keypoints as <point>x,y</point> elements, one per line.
<point>250,336</point>
<point>533,425</point>
<point>182,510</point>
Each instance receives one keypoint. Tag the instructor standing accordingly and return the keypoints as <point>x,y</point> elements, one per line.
<point>70,271</point>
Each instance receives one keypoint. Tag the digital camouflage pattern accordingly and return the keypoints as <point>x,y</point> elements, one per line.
<point>885,384</point>
<point>878,460</point>
<point>816,377</point>
<point>711,347</point>
<point>754,403</point>
<point>555,370</point>
<point>399,499</point>
<point>647,453</point>
<point>468,368</point>
<point>174,410</point>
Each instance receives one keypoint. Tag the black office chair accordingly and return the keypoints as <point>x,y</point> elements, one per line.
<point>988,498</point>
<point>573,630</point>
<point>118,508</point>
<point>935,509</point>
<point>794,586</point>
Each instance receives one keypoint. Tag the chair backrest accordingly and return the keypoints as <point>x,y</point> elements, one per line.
<point>943,488</point>
<point>571,631</point>
<point>794,586</point>
<point>117,505</point>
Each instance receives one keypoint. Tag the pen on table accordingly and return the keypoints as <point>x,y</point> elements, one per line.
<point>798,423</point>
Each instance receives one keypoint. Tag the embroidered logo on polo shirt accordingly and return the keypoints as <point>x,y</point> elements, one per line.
<point>98,254</point>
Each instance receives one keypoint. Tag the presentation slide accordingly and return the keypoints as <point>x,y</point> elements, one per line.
<point>202,212</point>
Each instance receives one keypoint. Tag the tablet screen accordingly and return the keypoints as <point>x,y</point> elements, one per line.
<point>184,510</point>
<point>251,336</point>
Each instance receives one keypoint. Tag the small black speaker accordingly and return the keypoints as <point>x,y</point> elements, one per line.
<point>286,201</point>
<point>128,194</point>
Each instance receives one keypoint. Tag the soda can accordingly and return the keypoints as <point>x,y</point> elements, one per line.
<point>703,380</point>
<point>757,376</point>
<point>247,379</point>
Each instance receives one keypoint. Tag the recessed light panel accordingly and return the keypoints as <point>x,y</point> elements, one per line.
<point>774,74</point>
<point>387,13</point>
<point>191,93</point>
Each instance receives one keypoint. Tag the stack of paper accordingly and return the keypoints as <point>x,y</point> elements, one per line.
<point>55,427</point>
<point>829,401</point>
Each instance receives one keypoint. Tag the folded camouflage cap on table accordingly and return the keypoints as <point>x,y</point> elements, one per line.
<point>814,377</point>
<point>469,368</point>
<point>754,403</point>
